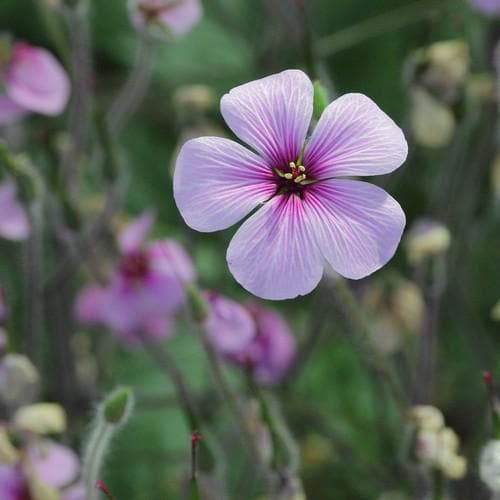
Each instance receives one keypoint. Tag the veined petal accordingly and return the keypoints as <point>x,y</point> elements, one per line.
<point>272,115</point>
<point>135,232</point>
<point>354,137</point>
<point>217,182</point>
<point>357,225</point>
<point>273,254</point>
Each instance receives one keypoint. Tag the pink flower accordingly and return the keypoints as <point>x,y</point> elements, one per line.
<point>14,224</point>
<point>252,336</point>
<point>53,464</point>
<point>229,326</point>
<point>167,17</point>
<point>487,7</point>
<point>272,350</point>
<point>307,216</point>
<point>147,286</point>
<point>34,81</point>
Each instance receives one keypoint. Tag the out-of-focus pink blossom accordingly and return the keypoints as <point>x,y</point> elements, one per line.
<point>54,465</point>
<point>34,81</point>
<point>487,7</point>
<point>14,223</point>
<point>146,288</point>
<point>272,350</point>
<point>167,17</point>
<point>252,336</point>
<point>229,325</point>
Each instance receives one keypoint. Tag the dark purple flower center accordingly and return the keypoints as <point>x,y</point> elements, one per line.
<point>292,179</point>
<point>135,265</point>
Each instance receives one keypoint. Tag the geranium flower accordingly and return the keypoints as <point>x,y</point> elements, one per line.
<point>146,288</point>
<point>165,17</point>
<point>34,81</point>
<point>14,224</point>
<point>307,214</point>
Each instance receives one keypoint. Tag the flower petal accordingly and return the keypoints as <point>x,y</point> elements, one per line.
<point>89,304</point>
<point>36,80</point>
<point>134,234</point>
<point>354,137</point>
<point>273,254</point>
<point>217,182</point>
<point>358,226</point>
<point>182,17</point>
<point>14,223</point>
<point>10,111</point>
<point>272,114</point>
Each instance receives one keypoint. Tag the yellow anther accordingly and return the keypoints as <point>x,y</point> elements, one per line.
<point>292,165</point>
<point>288,176</point>
<point>301,168</point>
<point>299,178</point>
<point>279,172</point>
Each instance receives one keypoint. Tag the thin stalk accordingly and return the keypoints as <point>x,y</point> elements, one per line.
<point>352,310</point>
<point>438,485</point>
<point>94,457</point>
<point>135,87</point>
<point>377,25</point>
<point>188,405</point>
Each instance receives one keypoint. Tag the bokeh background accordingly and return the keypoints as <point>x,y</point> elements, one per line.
<point>346,427</point>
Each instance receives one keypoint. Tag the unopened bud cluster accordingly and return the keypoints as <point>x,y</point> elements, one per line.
<point>435,444</point>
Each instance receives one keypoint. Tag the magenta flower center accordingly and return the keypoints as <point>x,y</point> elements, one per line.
<point>292,179</point>
<point>135,266</point>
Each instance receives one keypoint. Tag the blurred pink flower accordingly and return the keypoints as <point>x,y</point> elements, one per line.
<point>305,211</point>
<point>272,350</point>
<point>14,224</point>
<point>252,336</point>
<point>175,17</point>
<point>487,7</point>
<point>146,288</point>
<point>229,326</point>
<point>53,464</point>
<point>34,81</point>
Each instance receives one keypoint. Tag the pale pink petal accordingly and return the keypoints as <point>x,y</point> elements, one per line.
<point>14,224</point>
<point>354,137</point>
<point>75,492</point>
<point>10,111</point>
<point>274,254</point>
<point>90,303</point>
<point>134,234</point>
<point>272,115</point>
<point>182,16</point>
<point>55,465</point>
<point>169,257</point>
<point>36,80</point>
<point>229,326</point>
<point>487,7</point>
<point>358,226</point>
<point>217,182</point>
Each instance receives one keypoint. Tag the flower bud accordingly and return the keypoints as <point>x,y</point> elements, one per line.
<point>495,312</point>
<point>194,98</point>
<point>489,465</point>
<point>426,238</point>
<point>118,406</point>
<point>18,380</point>
<point>455,467</point>
<point>320,100</point>
<point>41,418</point>
<point>427,417</point>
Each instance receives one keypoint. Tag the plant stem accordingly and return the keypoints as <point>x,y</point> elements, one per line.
<point>377,25</point>
<point>353,312</point>
<point>437,485</point>
<point>96,449</point>
<point>135,87</point>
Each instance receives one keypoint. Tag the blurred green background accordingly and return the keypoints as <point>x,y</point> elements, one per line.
<point>348,430</point>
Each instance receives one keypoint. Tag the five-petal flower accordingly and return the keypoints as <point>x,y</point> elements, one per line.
<point>308,212</point>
